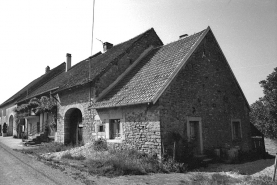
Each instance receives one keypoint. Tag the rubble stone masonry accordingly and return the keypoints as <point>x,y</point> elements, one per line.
<point>205,88</point>
<point>141,127</point>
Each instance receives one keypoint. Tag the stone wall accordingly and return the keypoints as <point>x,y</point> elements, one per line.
<point>205,88</point>
<point>76,98</point>
<point>140,124</point>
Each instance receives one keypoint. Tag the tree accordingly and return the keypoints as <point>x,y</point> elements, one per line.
<point>264,111</point>
<point>270,93</point>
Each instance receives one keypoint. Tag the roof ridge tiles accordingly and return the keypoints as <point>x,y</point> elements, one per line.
<point>47,80</point>
<point>189,36</point>
<point>138,36</point>
<point>87,59</point>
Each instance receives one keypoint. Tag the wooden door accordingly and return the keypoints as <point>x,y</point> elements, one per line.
<point>195,137</point>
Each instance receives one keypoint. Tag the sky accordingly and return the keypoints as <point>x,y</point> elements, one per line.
<point>35,34</point>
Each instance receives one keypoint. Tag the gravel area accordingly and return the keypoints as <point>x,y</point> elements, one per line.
<point>86,151</point>
<point>248,168</point>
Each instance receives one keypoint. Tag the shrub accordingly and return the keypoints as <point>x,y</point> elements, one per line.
<point>171,166</point>
<point>130,162</point>
<point>24,136</point>
<point>100,145</point>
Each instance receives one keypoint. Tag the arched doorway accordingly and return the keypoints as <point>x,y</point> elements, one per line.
<point>73,133</point>
<point>10,127</point>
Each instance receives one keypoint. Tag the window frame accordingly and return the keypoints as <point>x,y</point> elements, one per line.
<point>111,130</point>
<point>233,129</point>
<point>200,131</point>
<point>103,128</point>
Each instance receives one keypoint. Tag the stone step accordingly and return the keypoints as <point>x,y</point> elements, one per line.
<point>207,160</point>
<point>201,156</point>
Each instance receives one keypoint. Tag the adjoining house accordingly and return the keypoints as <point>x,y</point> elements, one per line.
<point>149,96</point>
<point>7,113</point>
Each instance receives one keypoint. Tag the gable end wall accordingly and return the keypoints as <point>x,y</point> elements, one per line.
<point>205,88</point>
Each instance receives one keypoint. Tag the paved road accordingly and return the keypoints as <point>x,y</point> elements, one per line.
<point>19,169</point>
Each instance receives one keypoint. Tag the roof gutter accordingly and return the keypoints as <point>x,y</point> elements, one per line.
<point>120,105</point>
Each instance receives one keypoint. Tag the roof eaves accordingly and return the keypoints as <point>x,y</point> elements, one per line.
<point>184,61</point>
<point>118,105</point>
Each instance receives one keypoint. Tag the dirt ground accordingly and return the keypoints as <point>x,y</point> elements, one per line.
<point>248,168</point>
<point>234,171</point>
<point>263,167</point>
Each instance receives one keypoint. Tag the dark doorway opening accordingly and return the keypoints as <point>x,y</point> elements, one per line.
<point>73,132</point>
<point>10,128</point>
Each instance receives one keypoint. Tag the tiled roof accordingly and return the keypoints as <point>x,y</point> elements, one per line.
<point>78,74</point>
<point>144,82</point>
<point>35,84</point>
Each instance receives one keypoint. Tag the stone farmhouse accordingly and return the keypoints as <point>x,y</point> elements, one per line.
<point>146,95</point>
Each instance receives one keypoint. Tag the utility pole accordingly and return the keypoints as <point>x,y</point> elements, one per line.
<point>89,66</point>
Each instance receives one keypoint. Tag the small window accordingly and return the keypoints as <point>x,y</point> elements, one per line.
<point>236,130</point>
<point>101,128</point>
<point>114,128</point>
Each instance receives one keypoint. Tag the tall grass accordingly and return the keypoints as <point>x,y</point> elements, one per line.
<point>70,156</point>
<point>127,162</point>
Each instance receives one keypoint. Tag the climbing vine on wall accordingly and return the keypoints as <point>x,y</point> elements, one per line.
<point>37,106</point>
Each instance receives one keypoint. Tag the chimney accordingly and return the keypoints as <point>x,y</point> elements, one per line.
<point>107,46</point>
<point>47,69</point>
<point>183,36</point>
<point>68,61</point>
